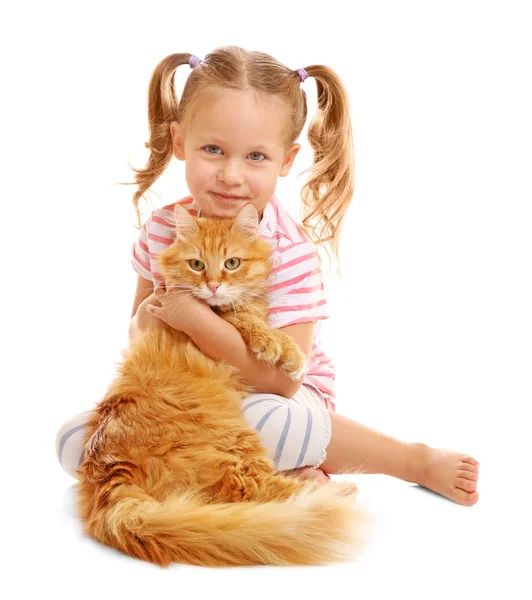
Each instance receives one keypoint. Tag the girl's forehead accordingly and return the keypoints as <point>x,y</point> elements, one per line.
<point>242,115</point>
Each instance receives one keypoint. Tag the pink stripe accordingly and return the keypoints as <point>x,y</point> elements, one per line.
<point>325,361</point>
<point>290,246</point>
<point>141,262</point>
<point>187,200</point>
<point>275,209</point>
<point>160,239</point>
<point>161,221</point>
<point>294,261</point>
<point>143,246</point>
<point>283,284</point>
<point>320,386</point>
<point>302,231</point>
<point>283,226</point>
<point>306,290</point>
<point>297,307</point>
<point>321,374</point>
<point>306,320</point>
<point>330,405</point>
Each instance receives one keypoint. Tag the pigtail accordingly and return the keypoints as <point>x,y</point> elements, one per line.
<point>329,190</point>
<point>162,110</point>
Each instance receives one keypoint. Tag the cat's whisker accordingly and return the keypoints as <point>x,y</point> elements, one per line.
<point>179,301</point>
<point>233,305</point>
<point>250,309</point>
<point>246,302</point>
<point>176,286</point>
<point>176,305</point>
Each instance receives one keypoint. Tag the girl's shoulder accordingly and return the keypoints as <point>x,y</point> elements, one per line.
<point>281,225</point>
<point>157,233</point>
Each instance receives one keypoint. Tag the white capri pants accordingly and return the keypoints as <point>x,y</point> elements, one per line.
<point>296,431</point>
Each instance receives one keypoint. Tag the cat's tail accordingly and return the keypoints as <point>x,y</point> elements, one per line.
<point>316,525</point>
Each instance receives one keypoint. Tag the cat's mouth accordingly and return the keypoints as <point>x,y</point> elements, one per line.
<point>218,300</point>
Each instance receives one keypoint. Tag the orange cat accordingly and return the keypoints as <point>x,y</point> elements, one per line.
<point>172,470</point>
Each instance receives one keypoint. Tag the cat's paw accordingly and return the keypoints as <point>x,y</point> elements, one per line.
<point>265,347</point>
<point>294,363</point>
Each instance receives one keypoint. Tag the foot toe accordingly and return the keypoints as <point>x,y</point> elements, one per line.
<point>471,499</point>
<point>471,475</point>
<point>470,460</point>
<point>466,484</point>
<point>468,467</point>
<point>465,498</point>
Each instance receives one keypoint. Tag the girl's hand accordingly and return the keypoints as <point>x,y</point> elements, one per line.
<point>177,307</point>
<point>144,318</point>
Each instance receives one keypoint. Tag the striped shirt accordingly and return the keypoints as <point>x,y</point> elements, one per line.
<point>296,293</point>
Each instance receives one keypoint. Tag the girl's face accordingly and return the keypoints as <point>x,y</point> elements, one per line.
<point>233,148</point>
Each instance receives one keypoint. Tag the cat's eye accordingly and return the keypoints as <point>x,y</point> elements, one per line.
<point>196,265</point>
<point>232,263</point>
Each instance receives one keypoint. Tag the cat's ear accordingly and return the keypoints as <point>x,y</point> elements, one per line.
<point>247,220</point>
<point>185,224</point>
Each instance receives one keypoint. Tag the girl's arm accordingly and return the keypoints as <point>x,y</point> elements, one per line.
<point>221,341</point>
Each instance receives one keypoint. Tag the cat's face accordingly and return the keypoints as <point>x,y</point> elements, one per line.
<point>221,261</point>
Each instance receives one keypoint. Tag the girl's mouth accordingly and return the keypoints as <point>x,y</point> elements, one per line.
<point>228,198</point>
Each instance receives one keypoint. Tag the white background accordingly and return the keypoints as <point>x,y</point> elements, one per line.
<point>431,322</point>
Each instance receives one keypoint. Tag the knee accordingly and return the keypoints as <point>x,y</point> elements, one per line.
<point>69,441</point>
<point>258,409</point>
<point>293,432</point>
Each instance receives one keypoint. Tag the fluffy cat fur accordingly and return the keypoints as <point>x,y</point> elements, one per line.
<point>172,471</point>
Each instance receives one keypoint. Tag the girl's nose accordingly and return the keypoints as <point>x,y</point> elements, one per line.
<point>232,174</point>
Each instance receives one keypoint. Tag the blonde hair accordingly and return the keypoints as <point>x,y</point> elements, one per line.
<point>330,187</point>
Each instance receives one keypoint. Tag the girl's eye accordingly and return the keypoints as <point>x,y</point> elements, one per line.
<point>207,148</point>
<point>259,153</point>
<point>196,265</point>
<point>232,263</point>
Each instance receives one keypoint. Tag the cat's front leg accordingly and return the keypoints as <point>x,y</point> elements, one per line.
<point>270,345</point>
<point>293,360</point>
<point>258,337</point>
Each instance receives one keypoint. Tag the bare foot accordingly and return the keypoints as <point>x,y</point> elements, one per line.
<point>451,474</point>
<point>309,473</point>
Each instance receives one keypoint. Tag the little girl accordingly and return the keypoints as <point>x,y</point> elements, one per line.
<point>236,127</point>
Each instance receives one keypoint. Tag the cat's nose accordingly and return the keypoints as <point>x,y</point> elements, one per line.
<point>214,287</point>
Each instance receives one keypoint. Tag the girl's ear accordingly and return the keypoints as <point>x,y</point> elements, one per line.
<point>178,143</point>
<point>288,160</point>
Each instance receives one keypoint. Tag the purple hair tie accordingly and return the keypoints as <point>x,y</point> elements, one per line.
<point>303,74</point>
<point>193,61</point>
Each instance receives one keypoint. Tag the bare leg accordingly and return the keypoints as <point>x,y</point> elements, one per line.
<point>318,474</point>
<point>356,448</point>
